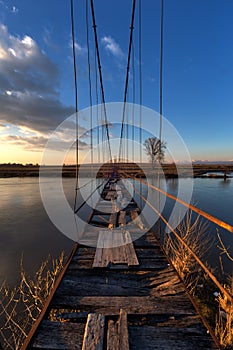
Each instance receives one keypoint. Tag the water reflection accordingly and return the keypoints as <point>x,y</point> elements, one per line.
<point>225,182</point>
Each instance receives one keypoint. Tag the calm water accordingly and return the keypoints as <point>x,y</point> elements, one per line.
<point>26,230</point>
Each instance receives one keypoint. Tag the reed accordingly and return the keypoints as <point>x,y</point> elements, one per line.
<point>21,306</point>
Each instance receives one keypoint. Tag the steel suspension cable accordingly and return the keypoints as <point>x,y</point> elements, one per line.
<point>76,95</point>
<point>89,79</point>
<point>100,76</point>
<point>140,76</point>
<point>133,99</point>
<point>97,108</point>
<point>160,108</point>
<point>127,74</point>
<point>161,77</point>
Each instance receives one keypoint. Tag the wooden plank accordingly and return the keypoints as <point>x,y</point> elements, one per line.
<point>94,332</point>
<point>173,305</point>
<point>118,250</point>
<point>57,335</point>
<point>112,220</point>
<point>122,218</point>
<point>151,264</point>
<point>110,195</point>
<point>132,259</point>
<point>112,335</point>
<point>175,338</point>
<point>107,251</point>
<point>123,331</point>
<point>137,219</point>
<point>99,250</point>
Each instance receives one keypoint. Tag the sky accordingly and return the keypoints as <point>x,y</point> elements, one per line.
<point>37,80</point>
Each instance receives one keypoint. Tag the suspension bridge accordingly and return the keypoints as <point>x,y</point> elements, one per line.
<point>119,289</point>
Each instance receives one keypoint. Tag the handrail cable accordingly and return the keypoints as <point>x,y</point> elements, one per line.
<point>100,76</point>
<point>209,273</point>
<point>76,96</point>
<point>84,202</point>
<point>127,75</point>
<point>192,207</point>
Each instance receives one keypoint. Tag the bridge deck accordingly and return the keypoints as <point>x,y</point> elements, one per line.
<point>158,313</point>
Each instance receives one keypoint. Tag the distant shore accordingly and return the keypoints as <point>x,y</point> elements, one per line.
<point>128,169</point>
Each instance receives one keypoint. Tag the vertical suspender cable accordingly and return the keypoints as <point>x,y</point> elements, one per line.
<point>127,75</point>
<point>161,79</point>
<point>76,96</point>
<point>160,107</point>
<point>100,77</point>
<point>140,76</point>
<point>89,78</point>
<point>133,100</point>
<point>97,108</point>
<point>140,87</point>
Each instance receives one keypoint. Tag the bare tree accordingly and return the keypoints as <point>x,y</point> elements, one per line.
<point>155,150</point>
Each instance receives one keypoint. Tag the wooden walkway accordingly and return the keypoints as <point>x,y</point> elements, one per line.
<point>128,297</point>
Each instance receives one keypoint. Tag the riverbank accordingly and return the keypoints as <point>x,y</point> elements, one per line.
<point>128,169</point>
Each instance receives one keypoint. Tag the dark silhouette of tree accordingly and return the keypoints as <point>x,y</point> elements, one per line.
<point>155,150</point>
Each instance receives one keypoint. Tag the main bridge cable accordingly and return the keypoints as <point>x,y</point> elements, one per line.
<point>76,97</point>
<point>100,76</point>
<point>127,75</point>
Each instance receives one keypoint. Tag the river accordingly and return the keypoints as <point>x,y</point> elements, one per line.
<point>27,233</point>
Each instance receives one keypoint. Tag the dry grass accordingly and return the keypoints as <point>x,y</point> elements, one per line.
<point>194,233</point>
<point>20,307</point>
<point>218,311</point>
<point>224,319</point>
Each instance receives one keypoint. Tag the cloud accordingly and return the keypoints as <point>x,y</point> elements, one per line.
<point>37,143</point>
<point>111,46</point>
<point>3,127</point>
<point>14,9</point>
<point>78,48</point>
<point>29,85</point>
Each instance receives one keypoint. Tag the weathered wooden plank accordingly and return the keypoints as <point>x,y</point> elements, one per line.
<point>118,250</point>
<point>112,335</point>
<point>148,337</point>
<point>123,331</point>
<point>99,250</point>
<point>174,305</point>
<point>94,332</point>
<point>112,220</point>
<point>58,335</point>
<point>130,282</point>
<point>122,218</point>
<point>155,264</point>
<point>132,259</point>
<point>110,195</point>
<point>137,219</point>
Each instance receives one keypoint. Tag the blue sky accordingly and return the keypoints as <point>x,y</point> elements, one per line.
<point>36,72</point>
